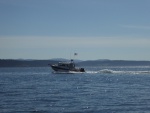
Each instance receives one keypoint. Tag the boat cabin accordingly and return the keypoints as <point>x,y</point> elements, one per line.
<point>68,65</point>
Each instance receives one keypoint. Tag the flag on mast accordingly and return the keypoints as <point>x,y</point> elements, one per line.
<point>75,54</point>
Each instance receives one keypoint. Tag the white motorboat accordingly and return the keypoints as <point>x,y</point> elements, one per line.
<point>66,67</point>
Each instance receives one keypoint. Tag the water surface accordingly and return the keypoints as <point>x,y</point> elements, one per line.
<point>99,90</point>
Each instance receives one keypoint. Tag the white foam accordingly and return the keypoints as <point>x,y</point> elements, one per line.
<point>70,72</point>
<point>105,71</point>
<point>109,71</point>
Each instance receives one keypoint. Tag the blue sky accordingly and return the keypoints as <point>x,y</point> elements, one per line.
<point>95,29</point>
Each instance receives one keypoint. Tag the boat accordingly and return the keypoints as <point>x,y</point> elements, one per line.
<point>66,67</point>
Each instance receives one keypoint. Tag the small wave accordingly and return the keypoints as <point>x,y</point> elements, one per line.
<point>142,72</point>
<point>145,71</point>
<point>106,71</point>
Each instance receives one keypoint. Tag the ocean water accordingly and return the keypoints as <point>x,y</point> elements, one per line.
<point>100,90</point>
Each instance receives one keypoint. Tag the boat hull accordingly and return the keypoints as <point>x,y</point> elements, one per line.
<point>62,69</point>
<point>59,69</point>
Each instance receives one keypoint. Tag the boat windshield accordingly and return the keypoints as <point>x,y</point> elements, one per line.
<point>70,65</point>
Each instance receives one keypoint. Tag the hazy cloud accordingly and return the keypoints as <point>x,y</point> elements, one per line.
<point>82,42</point>
<point>136,27</point>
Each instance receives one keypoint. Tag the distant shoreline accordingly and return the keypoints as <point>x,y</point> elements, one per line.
<point>44,63</point>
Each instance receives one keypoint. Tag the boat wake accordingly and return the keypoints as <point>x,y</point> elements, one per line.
<point>109,71</point>
<point>104,71</point>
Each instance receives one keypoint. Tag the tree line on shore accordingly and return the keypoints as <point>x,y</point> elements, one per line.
<point>44,63</point>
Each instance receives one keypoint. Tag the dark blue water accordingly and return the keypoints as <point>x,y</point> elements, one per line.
<point>99,90</point>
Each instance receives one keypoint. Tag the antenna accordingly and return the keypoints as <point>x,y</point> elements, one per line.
<point>70,55</point>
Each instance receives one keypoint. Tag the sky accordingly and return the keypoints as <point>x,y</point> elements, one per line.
<point>95,29</point>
